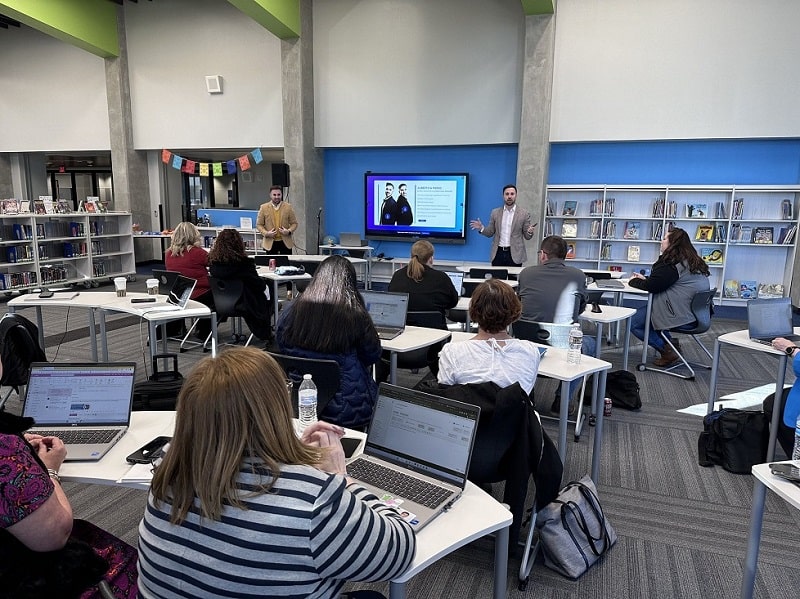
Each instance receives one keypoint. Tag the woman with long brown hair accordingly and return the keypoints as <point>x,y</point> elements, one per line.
<point>240,506</point>
<point>675,278</point>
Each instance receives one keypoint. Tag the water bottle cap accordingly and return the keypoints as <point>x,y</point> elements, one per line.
<point>307,377</point>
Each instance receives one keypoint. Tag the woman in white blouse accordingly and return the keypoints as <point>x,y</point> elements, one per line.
<point>492,355</point>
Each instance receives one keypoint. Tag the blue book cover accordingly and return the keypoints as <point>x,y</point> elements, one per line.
<point>748,289</point>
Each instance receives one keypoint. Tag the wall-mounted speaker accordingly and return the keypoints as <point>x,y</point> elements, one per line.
<point>214,84</point>
<point>280,174</point>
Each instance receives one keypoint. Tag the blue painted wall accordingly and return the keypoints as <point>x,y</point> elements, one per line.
<point>489,168</point>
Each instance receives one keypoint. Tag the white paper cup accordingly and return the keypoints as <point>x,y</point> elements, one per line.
<point>120,284</point>
<point>152,286</point>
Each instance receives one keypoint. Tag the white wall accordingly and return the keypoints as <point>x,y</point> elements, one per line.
<point>680,69</point>
<point>52,95</point>
<point>172,46</point>
<point>414,72</point>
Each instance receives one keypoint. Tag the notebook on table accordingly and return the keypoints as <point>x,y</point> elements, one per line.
<point>388,312</point>
<point>770,318</point>
<point>177,298</point>
<point>88,406</point>
<point>417,452</point>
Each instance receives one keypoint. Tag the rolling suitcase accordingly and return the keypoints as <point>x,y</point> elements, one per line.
<point>160,391</point>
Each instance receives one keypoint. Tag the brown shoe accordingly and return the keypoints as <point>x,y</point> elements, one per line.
<point>668,357</point>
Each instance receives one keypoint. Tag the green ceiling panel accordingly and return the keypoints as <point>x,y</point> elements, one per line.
<point>539,7</point>
<point>280,17</point>
<point>87,24</point>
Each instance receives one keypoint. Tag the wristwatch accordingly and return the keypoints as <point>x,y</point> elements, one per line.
<point>790,350</point>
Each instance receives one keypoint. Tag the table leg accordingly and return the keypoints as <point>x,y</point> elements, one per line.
<point>712,385</point>
<point>599,347</point>
<point>103,335</point>
<point>93,335</point>
<point>627,343</point>
<point>213,334</point>
<point>563,417</point>
<point>501,562</point>
<point>647,328</point>
<point>598,427</point>
<point>753,539</point>
<point>776,413</point>
<point>393,367</point>
<point>397,590</point>
<point>275,300</point>
<point>40,323</point>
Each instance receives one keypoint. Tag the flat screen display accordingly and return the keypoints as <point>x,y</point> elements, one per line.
<point>408,206</point>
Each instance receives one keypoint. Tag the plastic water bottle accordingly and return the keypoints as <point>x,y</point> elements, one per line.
<point>575,343</point>
<point>307,402</point>
<point>796,451</point>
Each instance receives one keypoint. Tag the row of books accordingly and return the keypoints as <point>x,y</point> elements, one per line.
<point>762,235</point>
<point>13,280</point>
<point>47,205</point>
<point>662,208</point>
<point>712,233</point>
<point>745,289</point>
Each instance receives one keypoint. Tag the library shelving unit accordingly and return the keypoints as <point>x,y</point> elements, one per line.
<point>251,237</point>
<point>746,234</point>
<point>63,249</point>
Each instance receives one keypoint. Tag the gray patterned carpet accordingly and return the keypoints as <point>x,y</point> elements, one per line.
<point>682,528</point>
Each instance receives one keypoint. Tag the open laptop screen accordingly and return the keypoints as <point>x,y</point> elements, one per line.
<point>67,394</point>
<point>457,278</point>
<point>181,291</point>
<point>769,318</point>
<point>386,309</point>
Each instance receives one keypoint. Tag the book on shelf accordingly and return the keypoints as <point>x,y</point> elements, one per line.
<point>570,251</point>
<point>569,228</point>
<point>719,210</point>
<point>596,207</point>
<point>94,201</point>
<point>730,288</point>
<point>549,229</point>
<point>696,210</point>
<point>633,253</point>
<point>762,235</point>
<point>704,233</point>
<point>787,209</point>
<point>594,232</point>
<point>24,207</point>
<point>550,208</point>
<point>63,206</point>
<point>672,209</point>
<point>745,234</point>
<point>770,290</point>
<point>38,206</point>
<point>659,206</point>
<point>631,230</point>
<point>608,206</point>
<point>11,206</point>
<point>748,289</point>
<point>738,208</point>
<point>46,203</point>
<point>610,230</point>
<point>657,231</point>
<point>570,208</point>
<point>605,251</point>
<point>712,255</point>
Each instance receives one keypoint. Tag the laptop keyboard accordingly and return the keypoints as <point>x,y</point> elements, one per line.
<point>81,436</point>
<point>397,483</point>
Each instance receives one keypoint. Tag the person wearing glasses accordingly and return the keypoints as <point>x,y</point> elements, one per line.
<point>509,227</point>
<point>554,292</point>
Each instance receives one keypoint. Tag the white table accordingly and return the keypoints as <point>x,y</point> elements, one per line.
<point>554,365</point>
<point>741,339</point>
<point>609,315</point>
<point>513,283</point>
<point>410,339</point>
<point>265,273</point>
<point>467,266</point>
<point>101,302</point>
<point>474,515</point>
<point>789,492</point>
<point>619,293</point>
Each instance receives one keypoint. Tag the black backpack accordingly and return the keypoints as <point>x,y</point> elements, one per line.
<point>623,389</point>
<point>19,348</point>
<point>733,439</point>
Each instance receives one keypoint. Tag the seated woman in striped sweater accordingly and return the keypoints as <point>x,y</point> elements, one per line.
<point>240,506</point>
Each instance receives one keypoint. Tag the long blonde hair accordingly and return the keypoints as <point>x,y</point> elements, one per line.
<point>421,253</point>
<point>231,407</point>
<point>184,237</point>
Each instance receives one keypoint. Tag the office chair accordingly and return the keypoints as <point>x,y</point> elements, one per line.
<point>325,374</point>
<point>227,293</point>
<point>702,307</point>
<point>483,273</point>
<point>423,357</point>
<point>554,335</point>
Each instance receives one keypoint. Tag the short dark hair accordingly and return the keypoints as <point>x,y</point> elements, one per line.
<point>511,186</point>
<point>554,246</point>
<point>494,306</point>
<point>274,187</point>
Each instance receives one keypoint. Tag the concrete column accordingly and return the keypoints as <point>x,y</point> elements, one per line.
<point>128,167</point>
<point>304,160</point>
<point>533,159</point>
<point>6,184</point>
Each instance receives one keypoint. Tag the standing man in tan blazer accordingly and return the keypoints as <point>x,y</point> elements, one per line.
<point>276,222</point>
<point>509,226</point>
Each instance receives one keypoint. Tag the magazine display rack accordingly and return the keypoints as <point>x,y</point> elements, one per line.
<point>746,234</point>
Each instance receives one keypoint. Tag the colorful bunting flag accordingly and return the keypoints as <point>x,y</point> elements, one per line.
<point>188,166</point>
<point>177,161</point>
<point>231,165</point>
<point>166,155</point>
<point>257,157</point>
<point>217,167</point>
<point>204,169</point>
<point>244,162</point>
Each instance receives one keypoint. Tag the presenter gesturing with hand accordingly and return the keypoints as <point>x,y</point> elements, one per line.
<point>509,226</point>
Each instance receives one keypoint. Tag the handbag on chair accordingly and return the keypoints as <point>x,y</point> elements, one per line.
<point>573,530</point>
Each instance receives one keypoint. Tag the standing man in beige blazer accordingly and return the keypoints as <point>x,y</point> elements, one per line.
<point>276,222</point>
<point>509,226</point>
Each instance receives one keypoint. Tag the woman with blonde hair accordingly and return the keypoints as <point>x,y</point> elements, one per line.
<point>428,289</point>
<point>240,506</point>
<point>185,256</point>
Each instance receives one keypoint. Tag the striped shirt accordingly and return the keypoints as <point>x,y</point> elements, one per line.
<point>305,538</point>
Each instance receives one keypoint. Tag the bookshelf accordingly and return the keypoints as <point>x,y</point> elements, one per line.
<point>64,249</point>
<point>745,233</point>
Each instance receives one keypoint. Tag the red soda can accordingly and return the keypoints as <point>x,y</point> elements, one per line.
<point>607,407</point>
<point>272,264</point>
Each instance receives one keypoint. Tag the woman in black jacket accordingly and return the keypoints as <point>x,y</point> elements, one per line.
<point>229,261</point>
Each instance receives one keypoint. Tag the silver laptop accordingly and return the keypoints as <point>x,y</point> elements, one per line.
<point>417,452</point>
<point>350,239</point>
<point>609,284</point>
<point>388,312</point>
<point>88,406</point>
<point>457,278</point>
<point>177,298</point>
<point>770,318</point>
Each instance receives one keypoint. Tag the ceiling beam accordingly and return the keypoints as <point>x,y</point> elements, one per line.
<point>279,17</point>
<point>539,7</point>
<point>87,24</point>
